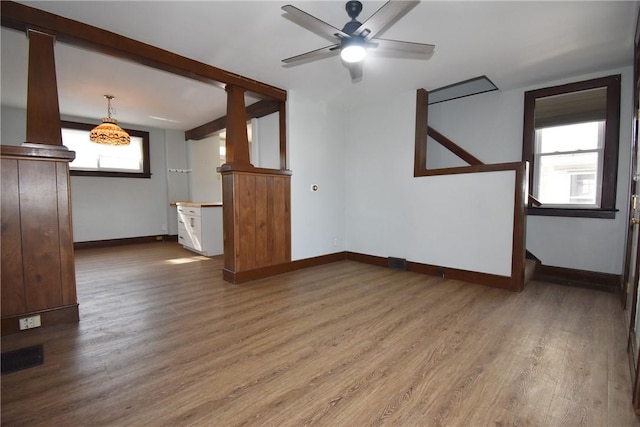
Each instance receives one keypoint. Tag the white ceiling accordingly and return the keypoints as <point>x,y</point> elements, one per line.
<point>515,44</point>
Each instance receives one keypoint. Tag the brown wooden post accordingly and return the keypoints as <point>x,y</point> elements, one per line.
<point>422,111</point>
<point>37,263</point>
<point>43,113</point>
<point>256,211</point>
<point>237,143</point>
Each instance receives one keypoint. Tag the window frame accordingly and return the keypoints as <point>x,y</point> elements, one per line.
<point>607,189</point>
<point>146,164</point>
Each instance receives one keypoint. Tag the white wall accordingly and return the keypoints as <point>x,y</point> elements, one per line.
<point>458,221</point>
<point>177,182</point>
<point>204,158</point>
<point>113,208</point>
<point>316,156</point>
<point>266,141</point>
<point>13,122</point>
<point>489,126</point>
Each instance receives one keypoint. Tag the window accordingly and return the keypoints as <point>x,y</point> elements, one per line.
<point>130,161</point>
<point>568,161</point>
<point>571,137</point>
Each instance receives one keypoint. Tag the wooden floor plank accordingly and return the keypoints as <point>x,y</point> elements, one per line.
<point>163,340</point>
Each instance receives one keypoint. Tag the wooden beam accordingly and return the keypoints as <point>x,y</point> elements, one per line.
<point>422,115</point>
<point>43,113</point>
<point>283,135</point>
<point>237,141</point>
<point>453,147</point>
<point>253,111</point>
<point>22,18</point>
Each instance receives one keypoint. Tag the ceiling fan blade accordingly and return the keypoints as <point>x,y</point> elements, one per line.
<point>384,17</point>
<point>321,53</point>
<point>420,49</point>
<point>355,69</point>
<point>312,23</point>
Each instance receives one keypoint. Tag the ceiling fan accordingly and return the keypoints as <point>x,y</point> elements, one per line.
<point>356,38</point>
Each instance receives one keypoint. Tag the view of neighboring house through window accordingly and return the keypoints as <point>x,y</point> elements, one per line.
<point>569,164</point>
<point>106,160</point>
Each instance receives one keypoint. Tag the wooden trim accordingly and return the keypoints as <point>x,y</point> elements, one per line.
<point>453,147</point>
<point>284,162</point>
<point>49,317</point>
<point>227,168</point>
<point>123,241</point>
<point>492,280</point>
<point>569,276</point>
<point>572,212</point>
<point>272,270</point>
<point>422,117</point>
<point>633,351</point>
<point>612,133</point>
<point>533,201</point>
<point>254,111</point>
<point>519,250</point>
<point>34,151</point>
<point>368,259</point>
<point>472,169</point>
<point>21,18</point>
<point>612,138</point>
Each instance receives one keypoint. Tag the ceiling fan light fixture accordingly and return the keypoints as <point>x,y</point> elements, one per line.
<point>353,52</point>
<point>108,132</point>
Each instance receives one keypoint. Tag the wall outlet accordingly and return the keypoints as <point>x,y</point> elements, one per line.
<point>30,322</point>
<point>335,241</point>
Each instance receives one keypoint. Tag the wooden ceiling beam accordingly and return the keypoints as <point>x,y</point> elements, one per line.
<point>20,17</point>
<point>253,111</point>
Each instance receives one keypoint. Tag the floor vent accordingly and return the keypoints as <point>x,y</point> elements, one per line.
<point>17,360</point>
<point>397,263</point>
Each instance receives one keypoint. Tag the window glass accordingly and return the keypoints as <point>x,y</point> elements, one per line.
<point>99,157</point>
<point>94,159</point>
<point>569,164</point>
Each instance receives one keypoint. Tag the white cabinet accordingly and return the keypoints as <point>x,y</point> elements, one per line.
<point>200,228</point>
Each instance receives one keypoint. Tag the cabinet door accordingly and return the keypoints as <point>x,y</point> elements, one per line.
<point>195,232</point>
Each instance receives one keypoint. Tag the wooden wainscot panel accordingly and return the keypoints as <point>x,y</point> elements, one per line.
<point>257,219</point>
<point>38,272</point>
<point>13,301</point>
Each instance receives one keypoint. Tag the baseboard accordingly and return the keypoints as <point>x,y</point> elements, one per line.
<point>124,241</point>
<point>492,280</point>
<point>272,270</point>
<point>48,317</point>
<point>587,279</point>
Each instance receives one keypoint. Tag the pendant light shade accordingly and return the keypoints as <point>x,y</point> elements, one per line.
<point>108,132</point>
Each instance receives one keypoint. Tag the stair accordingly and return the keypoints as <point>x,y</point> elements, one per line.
<point>529,270</point>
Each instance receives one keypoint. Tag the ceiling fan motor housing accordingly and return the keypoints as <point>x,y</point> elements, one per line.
<point>353,8</point>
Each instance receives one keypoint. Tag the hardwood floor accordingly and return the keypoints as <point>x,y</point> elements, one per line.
<point>164,341</point>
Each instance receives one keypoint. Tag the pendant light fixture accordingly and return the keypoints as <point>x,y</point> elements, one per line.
<point>108,132</point>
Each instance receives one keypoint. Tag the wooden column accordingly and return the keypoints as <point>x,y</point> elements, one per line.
<point>43,113</point>
<point>256,221</point>
<point>237,143</point>
<point>37,264</point>
<point>256,203</point>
